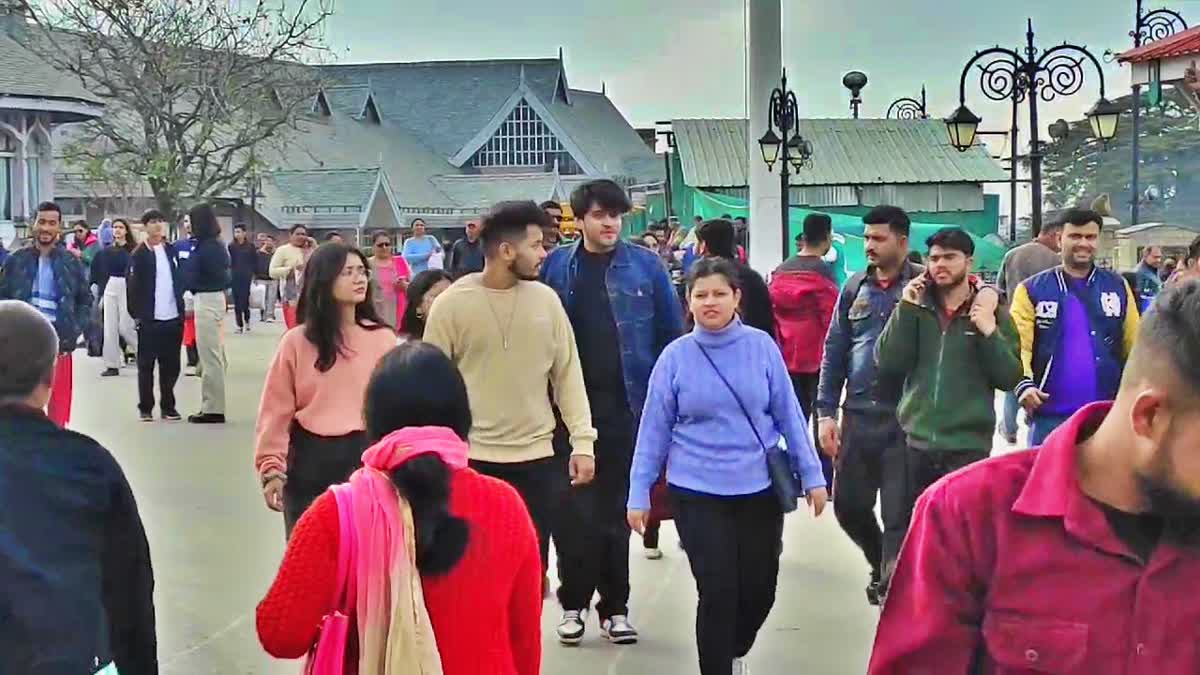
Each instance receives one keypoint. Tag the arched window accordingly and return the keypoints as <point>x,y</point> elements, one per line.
<point>8,147</point>
<point>35,160</point>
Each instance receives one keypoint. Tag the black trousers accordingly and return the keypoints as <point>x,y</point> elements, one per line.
<point>592,532</point>
<point>241,300</point>
<point>158,344</point>
<point>871,462</point>
<point>926,467</point>
<point>733,545</point>
<point>315,463</point>
<point>193,356</point>
<point>541,484</point>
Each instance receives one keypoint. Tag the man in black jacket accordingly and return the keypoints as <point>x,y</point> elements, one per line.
<point>466,256</point>
<point>74,561</point>
<point>716,240</point>
<point>155,296</point>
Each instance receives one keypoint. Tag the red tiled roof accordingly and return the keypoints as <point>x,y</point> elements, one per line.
<point>1184,43</point>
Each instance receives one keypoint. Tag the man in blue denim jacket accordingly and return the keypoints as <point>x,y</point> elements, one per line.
<point>624,311</point>
<point>868,449</point>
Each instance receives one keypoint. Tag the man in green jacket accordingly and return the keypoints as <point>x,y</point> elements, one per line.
<point>953,346</point>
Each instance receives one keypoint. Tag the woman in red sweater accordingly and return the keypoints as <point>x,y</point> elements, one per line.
<point>475,547</point>
<point>310,432</point>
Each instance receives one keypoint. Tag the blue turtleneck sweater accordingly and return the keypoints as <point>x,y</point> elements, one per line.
<point>692,424</point>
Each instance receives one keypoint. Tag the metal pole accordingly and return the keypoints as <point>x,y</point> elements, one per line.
<point>1035,154</point>
<point>784,187</point>
<point>1014,168</point>
<point>1135,198</point>
<point>667,184</point>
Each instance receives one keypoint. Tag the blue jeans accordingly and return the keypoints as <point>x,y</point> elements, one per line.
<point>1042,425</point>
<point>1008,426</point>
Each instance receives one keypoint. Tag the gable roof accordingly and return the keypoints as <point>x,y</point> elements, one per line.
<point>25,75</point>
<point>605,137</point>
<point>348,99</point>
<point>1183,43</point>
<point>445,103</point>
<point>714,153</point>
<point>325,187</point>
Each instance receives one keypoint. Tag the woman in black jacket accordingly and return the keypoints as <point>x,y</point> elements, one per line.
<point>208,277</point>
<point>243,260</point>
<point>108,275</point>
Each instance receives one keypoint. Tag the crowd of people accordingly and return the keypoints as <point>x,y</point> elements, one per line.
<point>429,429</point>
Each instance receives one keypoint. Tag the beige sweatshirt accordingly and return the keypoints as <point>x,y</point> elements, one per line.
<point>509,345</point>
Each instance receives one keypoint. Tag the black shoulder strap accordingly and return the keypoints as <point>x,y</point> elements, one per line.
<point>746,413</point>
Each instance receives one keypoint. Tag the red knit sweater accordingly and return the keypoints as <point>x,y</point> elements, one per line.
<point>486,612</point>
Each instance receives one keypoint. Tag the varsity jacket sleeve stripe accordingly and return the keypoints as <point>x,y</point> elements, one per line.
<point>1023,315</point>
<point>1132,320</point>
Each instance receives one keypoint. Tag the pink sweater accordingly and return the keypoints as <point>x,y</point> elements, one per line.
<point>326,404</point>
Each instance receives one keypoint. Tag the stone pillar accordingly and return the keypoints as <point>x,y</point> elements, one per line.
<point>765,68</point>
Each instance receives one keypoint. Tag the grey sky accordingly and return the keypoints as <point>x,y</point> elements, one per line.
<point>685,58</point>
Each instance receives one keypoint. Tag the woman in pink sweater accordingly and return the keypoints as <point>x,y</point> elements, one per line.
<point>310,431</point>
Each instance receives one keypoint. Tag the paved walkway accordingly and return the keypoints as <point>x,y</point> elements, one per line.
<point>216,549</point>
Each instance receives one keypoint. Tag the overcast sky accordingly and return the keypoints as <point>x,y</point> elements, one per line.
<point>685,58</point>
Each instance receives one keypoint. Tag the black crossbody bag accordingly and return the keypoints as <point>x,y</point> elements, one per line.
<point>784,483</point>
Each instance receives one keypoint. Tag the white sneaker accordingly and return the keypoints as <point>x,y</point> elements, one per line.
<point>572,627</point>
<point>618,630</point>
<point>740,667</point>
<point>653,553</point>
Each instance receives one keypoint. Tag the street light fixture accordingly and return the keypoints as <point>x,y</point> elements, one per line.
<point>1007,74</point>
<point>855,81</point>
<point>783,141</point>
<point>962,127</point>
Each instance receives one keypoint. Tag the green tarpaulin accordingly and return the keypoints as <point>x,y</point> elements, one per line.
<point>848,233</point>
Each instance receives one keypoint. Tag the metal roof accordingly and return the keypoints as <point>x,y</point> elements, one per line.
<point>1183,43</point>
<point>325,187</point>
<point>713,153</point>
<point>23,74</point>
<point>484,190</point>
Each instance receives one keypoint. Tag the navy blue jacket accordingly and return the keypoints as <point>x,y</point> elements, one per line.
<point>863,309</point>
<point>74,296</point>
<point>644,305</point>
<point>74,561</point>
<point>141,281</point>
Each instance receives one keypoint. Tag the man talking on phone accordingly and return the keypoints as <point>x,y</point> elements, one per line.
<point>954,346</point>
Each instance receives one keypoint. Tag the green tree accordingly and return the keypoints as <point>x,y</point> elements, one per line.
<point>1079,168</point>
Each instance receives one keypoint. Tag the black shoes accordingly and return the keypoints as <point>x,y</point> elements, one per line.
<point>146,417</point>
<point>110,372</point>
<point>171,416</point>
<point>875,591</point>
<point>206,418</point>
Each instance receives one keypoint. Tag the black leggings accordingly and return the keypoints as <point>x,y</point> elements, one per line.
<point>241,301</point>
<point>733,545</point>
<point>315,463</point>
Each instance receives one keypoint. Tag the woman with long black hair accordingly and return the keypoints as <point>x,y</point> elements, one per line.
<point>310,431</point>
<point>208,278</point>
<point>446,562</point>
<point>421,293</point>
<point>108,275</point>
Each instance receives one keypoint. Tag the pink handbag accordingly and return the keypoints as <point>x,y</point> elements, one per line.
<point>328,655</point>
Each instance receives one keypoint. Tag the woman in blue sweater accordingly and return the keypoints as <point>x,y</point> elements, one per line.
<point>728,517</point>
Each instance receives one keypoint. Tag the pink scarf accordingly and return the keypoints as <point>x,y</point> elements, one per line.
<point>395,634</point>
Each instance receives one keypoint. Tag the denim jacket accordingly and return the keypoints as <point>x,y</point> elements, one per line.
<point>19,275</point>
<point>644,304</point>
<point>862,311</point>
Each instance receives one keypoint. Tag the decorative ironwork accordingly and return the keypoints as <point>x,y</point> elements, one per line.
<point>1156,25</point>
<point>909,108</point>
<point>1059,75</point>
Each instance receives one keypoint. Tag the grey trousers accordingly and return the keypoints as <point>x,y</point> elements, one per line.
<point>210,342</point>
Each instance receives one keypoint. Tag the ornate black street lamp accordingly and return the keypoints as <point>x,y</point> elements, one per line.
<point>784,142</point>
<point>909,108</point>
<point>1148,27</point>
<point>1046,74</point>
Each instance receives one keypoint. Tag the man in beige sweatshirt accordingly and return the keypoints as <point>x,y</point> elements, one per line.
<point>511,338</point>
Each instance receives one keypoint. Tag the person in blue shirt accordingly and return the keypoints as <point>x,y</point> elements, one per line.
<point>420,247</point>
<point>706,391</point>
<point>624,312</point>
<point>1149,283</point>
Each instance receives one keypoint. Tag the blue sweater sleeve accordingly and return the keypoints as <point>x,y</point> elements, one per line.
<point>654,433</point>
<point>418,252</point>
<point>789,419</point>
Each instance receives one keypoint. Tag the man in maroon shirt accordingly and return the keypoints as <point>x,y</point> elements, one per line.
<point>1079,558</point>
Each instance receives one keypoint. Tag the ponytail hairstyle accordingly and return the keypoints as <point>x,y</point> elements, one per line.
<point>416,385</point>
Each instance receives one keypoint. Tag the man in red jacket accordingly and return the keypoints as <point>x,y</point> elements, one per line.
<point>803,294</point>
<point>1071,558</point>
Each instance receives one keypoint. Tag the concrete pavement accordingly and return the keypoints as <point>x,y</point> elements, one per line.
<point>216,548</point>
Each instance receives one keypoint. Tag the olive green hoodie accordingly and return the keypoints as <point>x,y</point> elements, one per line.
<point>950,373</point>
